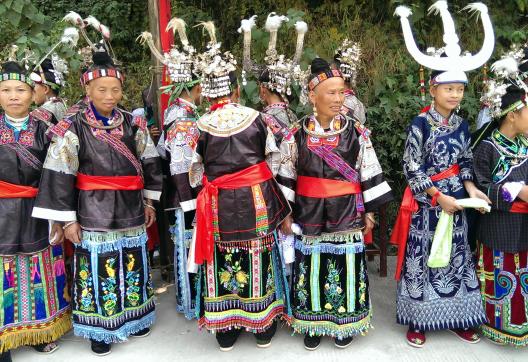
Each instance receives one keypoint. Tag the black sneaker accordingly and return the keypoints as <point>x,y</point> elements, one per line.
<point>311,343</point>
<point>343,343</point>
<point>101,348</point>
<point>142,333</point>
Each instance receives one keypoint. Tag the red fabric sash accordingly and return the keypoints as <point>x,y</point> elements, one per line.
<point>520,207</point>
<point>13,191</point>
<point>409,206</point>
<point>247,177</point>
<point>321,188</point>
<point>89,182</point>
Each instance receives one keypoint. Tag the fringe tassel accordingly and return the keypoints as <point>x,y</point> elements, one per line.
<point>348,237</point>
<point>255,246</point>
<point>115,336</point>
<point>31,335</point>
<point>250,323</point>
<point>326,248</point>
<point>104,242</point>
<point>249,305</point>
<point>97,321</point>
<point>59,268</point>
<point>325,328</point>
<point>501,337</point>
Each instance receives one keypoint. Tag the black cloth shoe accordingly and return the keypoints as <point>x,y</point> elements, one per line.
<point>5,356</point>
<point>311,343</point>
<point>226,340</point>
<point>264,338</point>
<point>101,348</point>
<point>343,343</point>
<point>142,333</point>
<point>46,348</point>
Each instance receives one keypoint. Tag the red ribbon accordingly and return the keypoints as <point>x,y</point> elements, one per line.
<point>89,182</point>
<point>520,207</point>
<point>13,191</point>
<point>247,177</point>
<point>409,206</point>
<point>321,188</point>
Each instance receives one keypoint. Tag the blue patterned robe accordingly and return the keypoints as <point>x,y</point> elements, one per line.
<point>449,297</point>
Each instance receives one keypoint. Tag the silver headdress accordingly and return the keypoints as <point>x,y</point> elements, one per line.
<point>349,55</point>
<point>53,62</point>
<point>214,67</point>
<point>179,63</point>
<point>282,71</point>
<point>506,74</point>
<point>454,64</point>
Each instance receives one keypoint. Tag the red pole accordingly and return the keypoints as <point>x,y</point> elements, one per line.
<point>166,40</point>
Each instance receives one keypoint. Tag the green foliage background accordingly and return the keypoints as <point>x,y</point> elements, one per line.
<point>388,80</point>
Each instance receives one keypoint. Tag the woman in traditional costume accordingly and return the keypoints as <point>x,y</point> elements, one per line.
<point>176,146</point>
<point>239,210</point>
<point>437,163</point>
<point>339,183</point>
<point>101,176</point>
<point>35,298</point>
<point>501,171</point>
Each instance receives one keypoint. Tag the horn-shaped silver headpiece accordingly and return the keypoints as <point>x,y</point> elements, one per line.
<point>454,62</point>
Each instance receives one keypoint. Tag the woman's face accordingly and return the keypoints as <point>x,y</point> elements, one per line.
<point>41,94</point>
<point>15,98</point>
<point>105,93</point>
<point>328,97</point>
<point>447,97</point>
<point>521,121</point>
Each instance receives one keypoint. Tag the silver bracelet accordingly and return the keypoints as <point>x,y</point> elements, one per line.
<point>150,206</point>
<point>68,224</point>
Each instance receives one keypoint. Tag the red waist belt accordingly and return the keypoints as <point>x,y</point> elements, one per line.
<point>409,206</point>
<point>13,191</point>
<point>247,177</point>
<point>321,188</point>
<point>520,207</point>
<point>89,182</point>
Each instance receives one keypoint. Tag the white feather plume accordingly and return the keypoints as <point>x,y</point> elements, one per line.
<point>146,38</point>
<point>211,30</point>
<point>178,25</point>
<point>507,66</point>
<point>274,21</point>
<point>403,11</point>
<point>73,18</point>
<point>247,24</point>
<point>301,27</point>
<point>70,36</point>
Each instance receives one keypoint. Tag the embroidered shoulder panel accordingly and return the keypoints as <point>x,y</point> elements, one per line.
<point>41,114</point>
<point>228,120</point>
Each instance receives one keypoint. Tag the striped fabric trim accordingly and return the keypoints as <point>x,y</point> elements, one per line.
<point>314,282</point>
<point>100,73</point>
<point>17,76</point>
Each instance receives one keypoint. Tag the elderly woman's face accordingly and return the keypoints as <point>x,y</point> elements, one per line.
<point>15,98</point>
<point>328,97</point>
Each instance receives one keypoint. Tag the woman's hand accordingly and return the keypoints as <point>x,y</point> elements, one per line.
<point>474,192</point>
<point>368,219</point>
<point>73,233</point>
<point>286,224</point>
<point>56,234</point>
<point>150,216</point>
<point>448,204</point>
